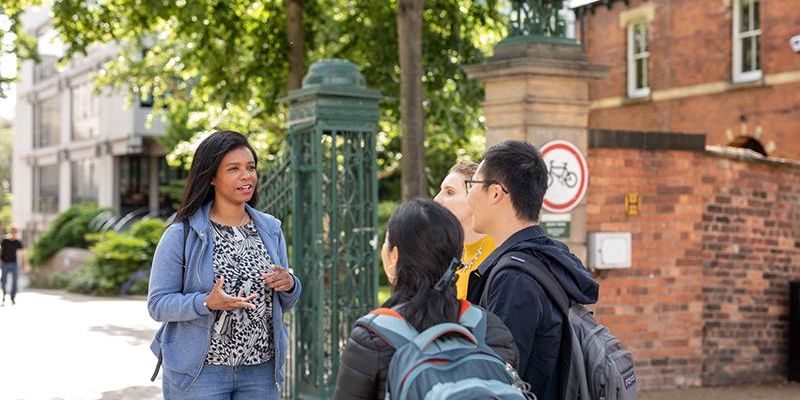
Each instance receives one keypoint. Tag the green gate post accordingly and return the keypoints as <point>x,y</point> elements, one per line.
<point>333,121</point>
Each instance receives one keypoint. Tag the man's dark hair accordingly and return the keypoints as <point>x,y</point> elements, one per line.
<point>519,167</point>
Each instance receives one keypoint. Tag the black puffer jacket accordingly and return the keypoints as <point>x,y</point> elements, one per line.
<point>365,362</point>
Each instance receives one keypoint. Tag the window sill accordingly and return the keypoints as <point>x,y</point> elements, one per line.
<point>743,85</point>
<point>637,99</point>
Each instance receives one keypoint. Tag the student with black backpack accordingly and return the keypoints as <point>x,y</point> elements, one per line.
<point>505,196</point>
<point>425,343</point>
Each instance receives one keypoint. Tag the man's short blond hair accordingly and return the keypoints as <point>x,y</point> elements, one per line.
<point>466,168</point>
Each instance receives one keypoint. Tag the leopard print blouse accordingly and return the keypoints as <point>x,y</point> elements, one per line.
<point>242,336</point>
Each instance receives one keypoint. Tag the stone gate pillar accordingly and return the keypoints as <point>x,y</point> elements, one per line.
<point>537,88</point>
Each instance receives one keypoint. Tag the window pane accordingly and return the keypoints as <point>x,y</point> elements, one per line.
<point>639,38</point>
<point>756,54</point>
<point>645,75</point>
<point>640,68</point>
<point>46,191</point>
<point>84,181</point>
<point>756,15</point>
<point>84,112</point>
<point>744,16</point>
<point>642,38</point>
<point>48,127</point>
<point>134,180</point>
<point>747,55</point>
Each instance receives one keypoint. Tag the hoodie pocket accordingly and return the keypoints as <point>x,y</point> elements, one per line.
<point>184,347</point>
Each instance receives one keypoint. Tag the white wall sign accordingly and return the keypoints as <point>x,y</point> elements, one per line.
<point>568,176</point>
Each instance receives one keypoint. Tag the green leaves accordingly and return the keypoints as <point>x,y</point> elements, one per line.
<point>68,230</point>
<point>12,38</point>
<point>223,64</point>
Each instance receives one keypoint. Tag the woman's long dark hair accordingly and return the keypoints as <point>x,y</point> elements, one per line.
<point>205,163</point>
<point>428,237</point>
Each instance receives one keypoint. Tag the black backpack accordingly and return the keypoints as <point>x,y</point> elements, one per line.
<point>599,367</point>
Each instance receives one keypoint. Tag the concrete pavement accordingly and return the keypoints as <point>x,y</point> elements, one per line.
<point>61,346</point>
<point>57,345</point>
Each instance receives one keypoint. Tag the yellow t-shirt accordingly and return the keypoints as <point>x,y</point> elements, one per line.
<point>474,254</point>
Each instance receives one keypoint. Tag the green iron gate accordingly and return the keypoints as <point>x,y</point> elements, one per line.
<point>324,188</point>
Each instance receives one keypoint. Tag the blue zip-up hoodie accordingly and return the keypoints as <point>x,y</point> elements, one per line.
<point>176,297</point>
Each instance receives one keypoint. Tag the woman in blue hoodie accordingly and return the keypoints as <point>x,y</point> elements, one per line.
<point>219,283</point>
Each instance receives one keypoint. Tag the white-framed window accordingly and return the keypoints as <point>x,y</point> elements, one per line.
<point>638,60</point>
<point>47,122</point>
<point>84,181</point>
<point>45,189</point>
<point>746,35</point>
<point>84,112</point>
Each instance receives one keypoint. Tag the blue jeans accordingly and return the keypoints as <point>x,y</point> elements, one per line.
<point>218,382</point>
<point>10,268</point>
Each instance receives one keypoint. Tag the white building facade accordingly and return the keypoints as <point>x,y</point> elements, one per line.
<point>72,145</point>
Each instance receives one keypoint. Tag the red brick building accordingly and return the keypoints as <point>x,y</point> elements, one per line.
<point>723,68</point>
<point>718,236</point>
<point>715,245</point>
<point>653,97</point>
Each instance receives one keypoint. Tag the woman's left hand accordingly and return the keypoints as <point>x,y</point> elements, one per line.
<point>280,280</point>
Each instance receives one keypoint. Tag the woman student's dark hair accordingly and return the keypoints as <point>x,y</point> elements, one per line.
<point>205,163</point>
<point>428,238</point>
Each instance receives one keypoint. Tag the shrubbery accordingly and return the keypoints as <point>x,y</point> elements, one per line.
<point>119,258</point>
<point>68,230</point>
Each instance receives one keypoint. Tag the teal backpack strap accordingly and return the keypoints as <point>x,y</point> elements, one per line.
<point>474,318</point>
<point>389,326</point>
<point>430,335</point>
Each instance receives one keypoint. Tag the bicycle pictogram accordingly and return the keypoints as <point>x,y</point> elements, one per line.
<point>562,174</point>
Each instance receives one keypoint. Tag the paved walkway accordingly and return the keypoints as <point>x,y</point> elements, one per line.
<point>56,345</point>
<point>60,346</point>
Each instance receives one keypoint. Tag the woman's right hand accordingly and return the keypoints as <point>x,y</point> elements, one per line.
<point>219,300</point>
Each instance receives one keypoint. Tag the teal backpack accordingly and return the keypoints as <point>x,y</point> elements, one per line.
<point>446,361</point>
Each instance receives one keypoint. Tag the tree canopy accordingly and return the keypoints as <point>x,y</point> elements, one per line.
<point>213,63</point>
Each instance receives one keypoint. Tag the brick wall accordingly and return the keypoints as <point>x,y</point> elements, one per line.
<point>750,233</point>
<point>714,247</point>
<point>690,46</point>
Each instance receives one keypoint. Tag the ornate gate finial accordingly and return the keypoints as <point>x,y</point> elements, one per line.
<point>538,18</point>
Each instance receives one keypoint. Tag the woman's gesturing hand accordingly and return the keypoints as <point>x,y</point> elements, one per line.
<point>219,300</point>
<point>280,280</point>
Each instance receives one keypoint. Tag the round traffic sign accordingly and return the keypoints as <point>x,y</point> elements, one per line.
<point>567,176</point>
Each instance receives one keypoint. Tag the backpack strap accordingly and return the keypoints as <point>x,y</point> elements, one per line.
<point>536,267</point>
<point>531,266</point>
<point>388,325</point>
<point>474,318</point>
<point>430,335</point>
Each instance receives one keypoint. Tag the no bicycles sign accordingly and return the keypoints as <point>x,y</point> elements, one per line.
<point>568,176</point>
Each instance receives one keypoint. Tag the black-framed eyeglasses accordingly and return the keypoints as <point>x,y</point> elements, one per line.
<point>469,182</point>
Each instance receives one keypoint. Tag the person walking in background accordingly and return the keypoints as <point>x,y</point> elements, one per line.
<point>12,258</point>
<point>477,246</point>
<point>422,238</point>
<point>220,284</point>
<point>505,196</point>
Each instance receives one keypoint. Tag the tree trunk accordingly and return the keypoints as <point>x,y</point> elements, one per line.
<point>296,36</point>
<point>412,120</point>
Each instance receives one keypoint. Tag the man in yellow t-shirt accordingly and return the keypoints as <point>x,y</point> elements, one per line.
<point>453,196</point>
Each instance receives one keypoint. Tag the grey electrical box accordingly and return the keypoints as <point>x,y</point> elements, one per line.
<point>609,250</point>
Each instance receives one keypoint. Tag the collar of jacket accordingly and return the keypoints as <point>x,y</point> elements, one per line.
<point>525,234</point>
<point>199,221</point>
